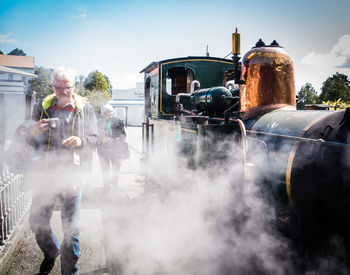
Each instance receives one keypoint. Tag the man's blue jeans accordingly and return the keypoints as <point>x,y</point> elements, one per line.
<point>39,220</point>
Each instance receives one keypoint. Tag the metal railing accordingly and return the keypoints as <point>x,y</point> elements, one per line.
<point>13,204</point>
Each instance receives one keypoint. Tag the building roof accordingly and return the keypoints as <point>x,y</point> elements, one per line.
<point>17,61</point>
<point>154,64</point>
<point>13,71</point>
<point>127,101</point>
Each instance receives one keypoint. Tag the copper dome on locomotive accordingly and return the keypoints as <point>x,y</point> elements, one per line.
<point>269,77</point>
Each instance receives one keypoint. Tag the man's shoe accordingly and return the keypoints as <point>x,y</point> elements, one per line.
<point>47,265</point>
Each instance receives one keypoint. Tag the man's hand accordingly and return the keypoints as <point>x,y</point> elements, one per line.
<point>40,127</point>
<point>72,142</point>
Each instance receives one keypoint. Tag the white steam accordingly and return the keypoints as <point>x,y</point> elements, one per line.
<point>202,224</point>
<point>206,222</point>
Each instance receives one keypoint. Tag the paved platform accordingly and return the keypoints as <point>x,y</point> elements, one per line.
<point>25,257</point>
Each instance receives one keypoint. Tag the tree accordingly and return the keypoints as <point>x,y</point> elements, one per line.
<point>96,82</point>
<point>17,52</point>
<point>97,99</point>
<point>306,95</point>
<point>110,87</point>
<point>1,52</point>
<point>97,89</point>
<point>42,84</point>
<point>336,87</point>
<point>79,85</point>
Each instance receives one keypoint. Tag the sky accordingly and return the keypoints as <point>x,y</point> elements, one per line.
<point>119,38</point>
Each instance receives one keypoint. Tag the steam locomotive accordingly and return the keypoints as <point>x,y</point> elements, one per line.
<point>195,102</point>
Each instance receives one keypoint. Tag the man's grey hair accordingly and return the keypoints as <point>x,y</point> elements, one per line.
<point>63,73</point>
<point>107,108</point>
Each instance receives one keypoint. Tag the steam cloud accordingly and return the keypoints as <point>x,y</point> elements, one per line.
<point>204,222</point>
<point>207,226</point>
<point>207,223</point>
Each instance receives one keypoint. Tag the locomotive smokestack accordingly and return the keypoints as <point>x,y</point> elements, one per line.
<point>269,78</point>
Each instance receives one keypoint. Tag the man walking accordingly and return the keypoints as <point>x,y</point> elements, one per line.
<point>66,132</point>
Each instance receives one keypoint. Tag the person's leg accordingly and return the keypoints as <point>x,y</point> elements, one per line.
<point>70,216</point>
<point>39,221</point>
<point>116,192</point>
<point>115,172</point>
<point>105,166</point>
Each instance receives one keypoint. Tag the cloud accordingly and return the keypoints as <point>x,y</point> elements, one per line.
<point>80,16</point>
<point>82,9</point>
<point>82,13</point>
<point>6,38</point>
<point>338,57</point>
<point>347,63</point>
<point>316,67</point>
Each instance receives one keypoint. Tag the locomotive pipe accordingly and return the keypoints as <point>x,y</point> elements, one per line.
<point>320,141</point>
<point>230,83</point>
<point>244,140</point>
<point>193,83</point>
<point>179,95</point>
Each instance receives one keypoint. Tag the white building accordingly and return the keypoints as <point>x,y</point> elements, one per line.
<point>129,110</point>
<point>136,92</point>
<point>128,104</point>
<point>15,97</point>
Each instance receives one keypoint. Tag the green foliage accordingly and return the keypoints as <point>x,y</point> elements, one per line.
<point>336,105</point>
<point>97,99</point>
<point>1,52</point>
<point>96,82</point>
<point>336,87</point>
<point>110,87</point>
<point>17,52</point>
<point>79,86</point>
<point>42,84</point>
<point>96,85</point>
<point>306,95</point>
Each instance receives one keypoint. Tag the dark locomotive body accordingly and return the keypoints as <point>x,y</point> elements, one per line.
<point>303,155</point>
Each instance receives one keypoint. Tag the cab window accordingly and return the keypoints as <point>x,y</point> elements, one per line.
<point>178,80</point>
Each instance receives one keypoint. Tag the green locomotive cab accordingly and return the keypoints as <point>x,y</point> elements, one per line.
<point>166,79</point>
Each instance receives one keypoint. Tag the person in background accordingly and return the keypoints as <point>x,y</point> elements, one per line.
<point>66,130</point>
<point>110,150</point>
